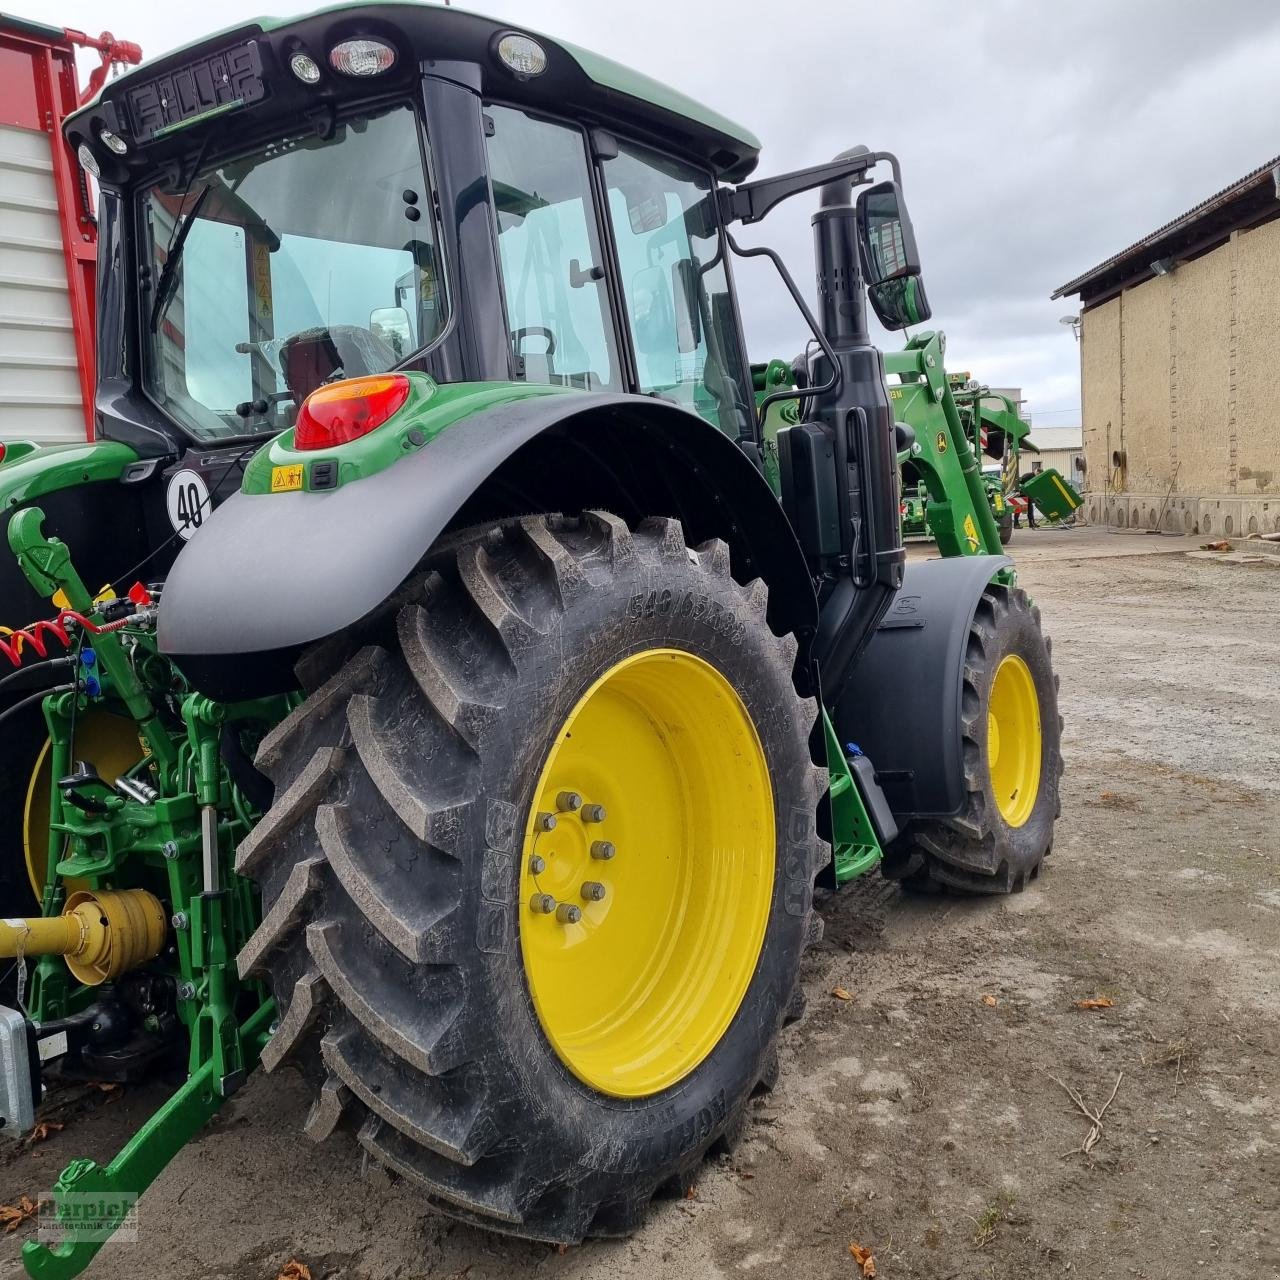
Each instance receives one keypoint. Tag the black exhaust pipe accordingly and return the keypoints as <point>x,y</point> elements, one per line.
<point>858,416</point>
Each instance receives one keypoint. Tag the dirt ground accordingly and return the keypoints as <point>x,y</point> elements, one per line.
<point>928,1117</point>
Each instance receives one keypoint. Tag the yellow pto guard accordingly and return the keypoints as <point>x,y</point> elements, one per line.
<point>102,935</point>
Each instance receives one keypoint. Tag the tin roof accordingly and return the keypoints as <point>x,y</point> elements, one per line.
<point>1246,202</point>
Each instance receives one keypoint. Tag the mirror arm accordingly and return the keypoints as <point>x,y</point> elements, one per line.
<point>753,200</point>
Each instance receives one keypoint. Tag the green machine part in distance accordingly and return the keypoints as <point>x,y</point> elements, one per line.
<point>998,436</point>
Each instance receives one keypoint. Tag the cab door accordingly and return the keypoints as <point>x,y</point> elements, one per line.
<point>680,312</point>
<point>551,254</point>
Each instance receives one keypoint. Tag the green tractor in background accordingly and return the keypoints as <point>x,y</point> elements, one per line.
<point>449,683</point>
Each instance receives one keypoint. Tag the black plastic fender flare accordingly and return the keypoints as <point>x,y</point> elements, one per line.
<point>273,572</point>
<point>902,703</point>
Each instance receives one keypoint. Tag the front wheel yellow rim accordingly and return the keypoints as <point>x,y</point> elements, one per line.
<point>647,877</point>
<point>1013,740</point>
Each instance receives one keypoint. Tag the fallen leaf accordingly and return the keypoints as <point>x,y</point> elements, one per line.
<point>294,1270</point>
<point>1098,1002</point>
<point>42,1131</point>
<point>840,993</point>
<point>863,1258</point>
<point>990,1001</point>
<point>13,1216</point>
<point>562,1249</point>
<point>691,1194</point>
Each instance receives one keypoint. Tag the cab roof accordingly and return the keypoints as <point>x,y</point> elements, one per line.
<point>577,82</point>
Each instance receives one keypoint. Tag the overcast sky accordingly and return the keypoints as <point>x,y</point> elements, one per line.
<point>1036,137</point>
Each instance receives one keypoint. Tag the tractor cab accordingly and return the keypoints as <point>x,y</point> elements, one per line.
<point>412,190</point>
<point>404,187</point>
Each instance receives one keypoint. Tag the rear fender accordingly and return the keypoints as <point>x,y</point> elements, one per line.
<point>902,703</point>
<point>271,572</point>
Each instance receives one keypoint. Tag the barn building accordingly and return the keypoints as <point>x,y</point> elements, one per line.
<point>1178,334</point>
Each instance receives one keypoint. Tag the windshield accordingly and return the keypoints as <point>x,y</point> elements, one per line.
<point>305,261</point>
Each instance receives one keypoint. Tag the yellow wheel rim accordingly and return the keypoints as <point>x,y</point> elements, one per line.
<point>111,743</point>
<point>1013,740</point>
<point>636,981</point>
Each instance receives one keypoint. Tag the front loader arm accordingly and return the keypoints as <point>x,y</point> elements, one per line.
<point>959,514</point>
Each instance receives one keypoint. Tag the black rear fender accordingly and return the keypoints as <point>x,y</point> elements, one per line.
<point>269,574</point>
<point>901,705</point>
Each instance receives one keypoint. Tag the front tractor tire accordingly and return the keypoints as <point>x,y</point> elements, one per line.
<point>1012,758</point>
<point>539,872</point>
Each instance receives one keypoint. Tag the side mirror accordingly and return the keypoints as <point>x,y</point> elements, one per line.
<point>899,303</point>
<point>888,241</point>
<point>393,326</point>
<point>890,259</point>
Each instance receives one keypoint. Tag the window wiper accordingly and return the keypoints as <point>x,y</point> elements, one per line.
<point>169,272</point>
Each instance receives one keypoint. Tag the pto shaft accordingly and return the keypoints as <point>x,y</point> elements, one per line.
<point>101,935</point>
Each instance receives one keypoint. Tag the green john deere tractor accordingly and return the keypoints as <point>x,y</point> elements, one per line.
<point>434,693</point>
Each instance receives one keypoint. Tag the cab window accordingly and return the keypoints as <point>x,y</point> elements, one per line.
<point>550,254</point>
<point>303,260</point>
<point>675,286</point>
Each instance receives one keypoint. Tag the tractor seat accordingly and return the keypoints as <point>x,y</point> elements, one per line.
<point>312,357</point>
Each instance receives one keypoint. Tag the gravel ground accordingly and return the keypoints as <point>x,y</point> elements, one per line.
<point>928,1117</point>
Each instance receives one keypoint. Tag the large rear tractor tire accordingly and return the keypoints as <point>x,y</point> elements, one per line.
<point>1012,744</point>
<point>539,873</point>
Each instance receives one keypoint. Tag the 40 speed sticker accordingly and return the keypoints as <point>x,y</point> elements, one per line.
<point>187,500</point>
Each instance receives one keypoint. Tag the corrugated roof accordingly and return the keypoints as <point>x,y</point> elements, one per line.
<point>1253,178</point>
<point>1056,437</point>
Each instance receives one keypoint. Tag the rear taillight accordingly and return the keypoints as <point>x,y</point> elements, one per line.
<point>347,410</point>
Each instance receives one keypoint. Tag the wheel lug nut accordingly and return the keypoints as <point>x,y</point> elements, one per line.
<point>593,813</point>
<point>568,802</point>
<point>543,904</point>
<point>567,913</point>
<point>537,864</point>
<point>546,822</point>
<point>593,890</point>
<point>603,849</point>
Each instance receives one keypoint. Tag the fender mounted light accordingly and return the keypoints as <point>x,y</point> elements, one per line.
<point>343,411</point>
